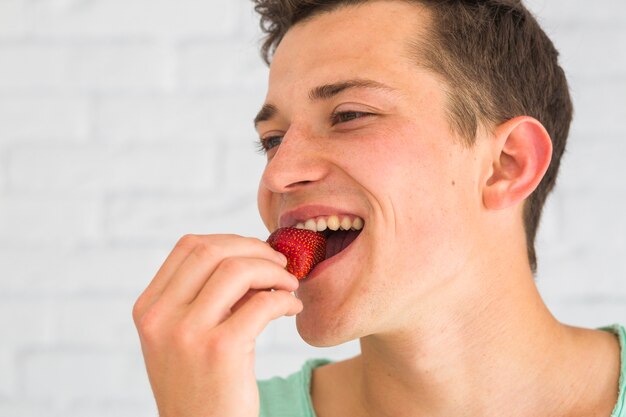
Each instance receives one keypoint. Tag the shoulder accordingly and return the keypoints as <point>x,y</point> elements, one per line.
<point>290,396</point>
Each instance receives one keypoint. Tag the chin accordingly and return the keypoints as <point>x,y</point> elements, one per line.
<point>325,330</point>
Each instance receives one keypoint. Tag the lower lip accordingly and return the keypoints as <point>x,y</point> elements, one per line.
<point>328,263</point>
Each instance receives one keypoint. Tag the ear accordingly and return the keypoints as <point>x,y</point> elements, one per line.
<point>521,152</point>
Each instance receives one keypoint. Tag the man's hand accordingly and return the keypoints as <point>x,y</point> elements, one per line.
<point>199,318</point>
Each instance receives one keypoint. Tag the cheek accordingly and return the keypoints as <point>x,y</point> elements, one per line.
<point>425,180</point>
<point>397,162</point>
<point>264,204</point>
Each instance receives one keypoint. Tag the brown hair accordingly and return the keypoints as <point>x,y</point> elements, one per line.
<point>494,57</point>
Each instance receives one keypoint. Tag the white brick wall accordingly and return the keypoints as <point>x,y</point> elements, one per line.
<point>125,124</point>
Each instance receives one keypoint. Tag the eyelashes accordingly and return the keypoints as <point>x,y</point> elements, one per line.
<point>264,145</point>
<point>338,117</point>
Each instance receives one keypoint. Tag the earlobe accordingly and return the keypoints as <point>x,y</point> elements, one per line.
<point>522,152</point>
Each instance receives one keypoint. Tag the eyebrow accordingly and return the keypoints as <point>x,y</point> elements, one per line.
<point>268,111</point>
<point>323,92</point>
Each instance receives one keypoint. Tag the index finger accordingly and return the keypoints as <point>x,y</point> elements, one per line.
<point>194,258</point>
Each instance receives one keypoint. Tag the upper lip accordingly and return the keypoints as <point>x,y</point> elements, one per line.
<point>290,218</point>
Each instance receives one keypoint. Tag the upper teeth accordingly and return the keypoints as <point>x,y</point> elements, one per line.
<point>319,224</point>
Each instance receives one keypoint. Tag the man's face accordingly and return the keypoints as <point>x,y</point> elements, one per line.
<point>392,160</point>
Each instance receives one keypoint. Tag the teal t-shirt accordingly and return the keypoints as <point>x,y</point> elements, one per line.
<point>291,396</point>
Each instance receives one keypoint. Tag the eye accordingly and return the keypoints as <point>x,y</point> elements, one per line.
<point>266,144</point>
<point>346,116</point>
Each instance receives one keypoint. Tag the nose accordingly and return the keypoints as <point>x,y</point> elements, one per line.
<point>296,163</point>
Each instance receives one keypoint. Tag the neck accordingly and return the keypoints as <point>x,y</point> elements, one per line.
<point>439,367</point>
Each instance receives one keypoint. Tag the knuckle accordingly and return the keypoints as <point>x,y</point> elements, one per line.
<point>150,322</point>
<point>188,242</point>
<point>138,309</point>
<point>204,249</point>
<point>146,329</point>
<point>219,344</point>
<point>184,336</point>
<point>233,266</point>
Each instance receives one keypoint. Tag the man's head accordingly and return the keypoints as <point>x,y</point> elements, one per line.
<point>359,120</point>
<point>496,62</point>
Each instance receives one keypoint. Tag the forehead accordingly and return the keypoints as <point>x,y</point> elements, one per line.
<point>370,40</point>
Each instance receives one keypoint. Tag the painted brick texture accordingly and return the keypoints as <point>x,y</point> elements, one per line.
<point>127,124</point>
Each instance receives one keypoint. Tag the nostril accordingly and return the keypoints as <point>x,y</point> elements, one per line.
<point>298,184</point>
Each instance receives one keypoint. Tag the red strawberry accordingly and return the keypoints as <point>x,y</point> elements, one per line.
<point>303,248</point>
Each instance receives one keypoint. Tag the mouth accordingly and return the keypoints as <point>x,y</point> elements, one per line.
<point>339,231</point>
<point>339,240</point>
